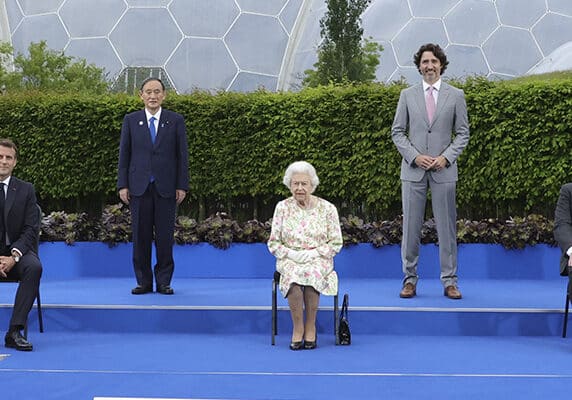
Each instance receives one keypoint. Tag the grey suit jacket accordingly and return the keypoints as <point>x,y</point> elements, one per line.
<point>563,225</point>
<point>414,135</point>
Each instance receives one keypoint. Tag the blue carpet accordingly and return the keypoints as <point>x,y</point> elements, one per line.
<point>84,365</point>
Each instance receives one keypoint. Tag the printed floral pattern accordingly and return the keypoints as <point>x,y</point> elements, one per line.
<point>305,229</point>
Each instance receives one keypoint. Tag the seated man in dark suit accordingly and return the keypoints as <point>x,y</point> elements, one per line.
<point>18,238</point>
<point>563,231</point>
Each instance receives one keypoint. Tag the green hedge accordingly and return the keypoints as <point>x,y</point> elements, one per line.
<point>240,144</point>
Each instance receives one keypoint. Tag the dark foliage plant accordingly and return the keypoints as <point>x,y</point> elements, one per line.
<point>220,230</point>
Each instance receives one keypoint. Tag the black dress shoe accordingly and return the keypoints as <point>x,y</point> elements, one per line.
<point>165,289</point>
<point>296,345</point>
<point>141,289</point>
<point>15,340</point>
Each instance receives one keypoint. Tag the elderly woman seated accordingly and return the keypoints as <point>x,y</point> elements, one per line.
<point>305,237</point>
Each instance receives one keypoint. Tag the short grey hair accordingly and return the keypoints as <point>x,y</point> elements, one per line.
<point>301,167</point>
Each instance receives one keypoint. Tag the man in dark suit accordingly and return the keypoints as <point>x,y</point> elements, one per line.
<point>427,115</point>
<point>153,179</point>
<point>19,225</point>
<point>563,231</point>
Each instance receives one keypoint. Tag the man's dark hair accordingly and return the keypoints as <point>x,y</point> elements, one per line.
<point>10,144</point>
<point>437,52</point>
<point>150,79</point>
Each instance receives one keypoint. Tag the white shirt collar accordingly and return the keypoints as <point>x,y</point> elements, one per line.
<point>436,85</point>
<point>157,115</point>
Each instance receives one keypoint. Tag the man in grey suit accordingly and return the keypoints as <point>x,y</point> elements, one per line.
<point>427,115</point>
<point>563,231</point>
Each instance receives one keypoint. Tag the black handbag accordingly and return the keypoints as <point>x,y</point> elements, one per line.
<point>344,334</point>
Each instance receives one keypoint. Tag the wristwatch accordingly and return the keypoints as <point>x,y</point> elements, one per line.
<point>16,257</point>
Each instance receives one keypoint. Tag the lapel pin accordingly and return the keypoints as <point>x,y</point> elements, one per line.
<point>140,123</point>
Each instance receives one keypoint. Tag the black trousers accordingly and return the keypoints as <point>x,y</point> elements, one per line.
<point>153,217</point>
<point>28,272</point>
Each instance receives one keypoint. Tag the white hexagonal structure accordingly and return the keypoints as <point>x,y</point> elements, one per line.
<point>464,28</point>
<point>202,19</point>
<point>96,18</point>
<point>96,51</point>
<point>526,16</point>
<point>138,40</point>
<point>262,52</point>
<point>34,29</point>
<point>250,44</point>
<point>201,64</point>
<point>511,51</point>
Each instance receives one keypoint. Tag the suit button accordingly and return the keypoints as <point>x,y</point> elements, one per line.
<point>429,131</point>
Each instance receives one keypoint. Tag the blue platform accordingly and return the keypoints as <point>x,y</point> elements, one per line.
<point>211,340</point>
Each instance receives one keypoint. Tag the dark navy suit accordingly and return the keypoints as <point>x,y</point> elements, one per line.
<point>153,204</point>
<point>22,225</point>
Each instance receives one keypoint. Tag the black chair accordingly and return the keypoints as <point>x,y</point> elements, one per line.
<point>275,282</point>
<point>566,307</point>
<point>38,301</point>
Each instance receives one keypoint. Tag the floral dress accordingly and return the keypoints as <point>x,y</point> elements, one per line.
<point>304,229</point>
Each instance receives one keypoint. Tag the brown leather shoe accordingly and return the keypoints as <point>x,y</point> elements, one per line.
<point>408,291</point>
<point>452,292</point>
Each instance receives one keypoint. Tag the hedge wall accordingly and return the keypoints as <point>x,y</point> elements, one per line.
<point>516,160</point>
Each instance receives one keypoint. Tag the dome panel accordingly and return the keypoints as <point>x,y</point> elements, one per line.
<point>201,64</point>
<point>138,45</point>
<point>85,19</point>
<point>96,51</point>
<point>205,19</point>
<point>258,43</point>
<point>471,22</point>
<point>511,51</point>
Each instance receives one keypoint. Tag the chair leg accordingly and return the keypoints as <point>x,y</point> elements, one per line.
<point>336,320</point>
<point>565,327</point>
<point>40,317</point>
<point>274,312</point>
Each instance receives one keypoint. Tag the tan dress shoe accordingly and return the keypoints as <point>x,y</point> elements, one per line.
<point>452,292</point>
<point>408,291</point>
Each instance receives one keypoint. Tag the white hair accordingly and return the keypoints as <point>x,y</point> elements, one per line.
<point>301,167</point>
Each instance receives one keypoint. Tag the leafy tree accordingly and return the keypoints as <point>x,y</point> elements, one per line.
<point>49,70</point>
<point>343,56</point>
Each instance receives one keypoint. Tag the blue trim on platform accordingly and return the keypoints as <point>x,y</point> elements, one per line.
<point>476,261</point>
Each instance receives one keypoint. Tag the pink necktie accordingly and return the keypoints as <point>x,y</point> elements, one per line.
<point>430,104</point>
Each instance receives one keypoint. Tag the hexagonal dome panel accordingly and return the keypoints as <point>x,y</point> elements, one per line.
<point>437,9</point>
<point>417,32</point>
<point>465,61</point>
<point>35,29</point>
<point>511,51</point>
<point>526,15</point>
<point>387,63</point>
<point>559,60</point>
<point>383,19</point>
<point>248,82</point>
<point>201,64</point>
<point>268,7</point>
<point>31,7</point>
<point>471,22</point>
<point>552,31</point>
<point>289,14</point>
<point>202,18</point>
<point>14,14</point>
<point>258,43</point>
<point>96,51</point>
<point>560,6</point>
<point>137,44</point>
<point>96,19</point>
